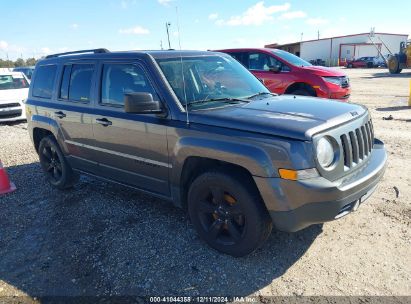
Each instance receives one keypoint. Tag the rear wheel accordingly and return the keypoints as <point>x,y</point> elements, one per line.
<point>349,66</point>
<point>228,213</point>
<point>55,166</point>
<point>394,65</point>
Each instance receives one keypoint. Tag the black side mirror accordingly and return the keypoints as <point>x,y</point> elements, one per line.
<point>141,103</point>
<point>274,68</point>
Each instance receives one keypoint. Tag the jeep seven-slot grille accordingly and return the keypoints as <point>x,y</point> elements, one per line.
<point>357,145</point>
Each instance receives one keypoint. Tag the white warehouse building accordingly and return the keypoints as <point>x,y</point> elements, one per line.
<point>336,50</point>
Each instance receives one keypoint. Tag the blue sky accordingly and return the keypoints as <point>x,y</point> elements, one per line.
<point>36,28</point>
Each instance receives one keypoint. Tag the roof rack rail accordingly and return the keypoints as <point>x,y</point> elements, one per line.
<point>95,51</point>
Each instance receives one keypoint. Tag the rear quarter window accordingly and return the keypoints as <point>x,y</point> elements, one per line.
<point>44,81</point>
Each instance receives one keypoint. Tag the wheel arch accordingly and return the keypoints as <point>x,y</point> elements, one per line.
<point>194,166</point>
<point>40,126</point>
<point>300,86</point>
<point>38,135</point>
<point>194,156</point>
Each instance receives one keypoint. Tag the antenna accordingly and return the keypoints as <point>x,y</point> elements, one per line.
<point>182,67</point>
<point>168,34</point>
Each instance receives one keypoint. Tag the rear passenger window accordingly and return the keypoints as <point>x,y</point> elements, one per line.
<point>240,57</point>
<point>119,79</point>
<point>80,82</point>
<point>44,81</point>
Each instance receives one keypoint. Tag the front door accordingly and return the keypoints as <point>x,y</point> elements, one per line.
<point>130,148</point>
<point>259,64</point>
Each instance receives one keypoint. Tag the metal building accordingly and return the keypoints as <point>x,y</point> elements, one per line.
<point>336,50</point>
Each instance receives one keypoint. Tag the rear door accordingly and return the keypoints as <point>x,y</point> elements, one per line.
<point>74,113</point>
<point>130,148</point>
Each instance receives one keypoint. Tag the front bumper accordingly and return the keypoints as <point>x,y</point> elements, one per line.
<point>12,111</point>
<point>334,92</point>
<point>294,205</point>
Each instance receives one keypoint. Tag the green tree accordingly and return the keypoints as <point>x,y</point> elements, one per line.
<point>20,62</point>
<point>31,61</point>
<point>6,63</point>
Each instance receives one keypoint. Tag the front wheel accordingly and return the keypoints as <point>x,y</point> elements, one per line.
<point>228,213</point>
<point>394,65</point>
<point>302,92</point>
<point>55,166</point>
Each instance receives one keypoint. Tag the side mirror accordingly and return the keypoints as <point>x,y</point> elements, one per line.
<point>274,68</point>
<point>141,103</point>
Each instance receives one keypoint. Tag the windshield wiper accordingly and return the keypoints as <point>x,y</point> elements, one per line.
<point>260,94</point>
<point>222,99</point>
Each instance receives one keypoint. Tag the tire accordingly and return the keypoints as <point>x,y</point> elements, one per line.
<point>55,166</point>
<point>394,65</point>
<point>228,213</point>
<point>349,66</point>
<point>302,92</point>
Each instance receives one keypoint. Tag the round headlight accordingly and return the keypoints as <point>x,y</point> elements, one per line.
<point>325,152</point>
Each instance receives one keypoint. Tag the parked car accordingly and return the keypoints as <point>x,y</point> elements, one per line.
<point>362,62</point>
<point>381,61</point>
<point>28,71</point>
<point>284,73</point>
<point>317,62</point>
<point>199,130</point>
<point>14,88</point>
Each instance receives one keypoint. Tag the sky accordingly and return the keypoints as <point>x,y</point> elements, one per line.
<point>34,28</point>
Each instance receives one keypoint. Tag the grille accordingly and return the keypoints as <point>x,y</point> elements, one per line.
<point>345,83</point>
<point>357,145</point>
<point>10,114</point>
<point>9,105</point>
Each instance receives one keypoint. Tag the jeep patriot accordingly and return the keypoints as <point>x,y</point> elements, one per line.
<point>199,130</point>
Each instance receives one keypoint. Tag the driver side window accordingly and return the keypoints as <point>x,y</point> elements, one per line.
<point>119,79</point>
<point>263,62</point>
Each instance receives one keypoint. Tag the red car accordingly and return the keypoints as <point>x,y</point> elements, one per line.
<point>284,73</point>
<point>363,62</point>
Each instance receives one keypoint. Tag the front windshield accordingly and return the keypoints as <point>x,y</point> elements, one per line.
<point>13,82</point>
<point>209,81</point>
<point>290,58</point>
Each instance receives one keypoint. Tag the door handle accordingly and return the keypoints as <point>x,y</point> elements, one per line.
<point>104,122</point>
<point>60,114</point>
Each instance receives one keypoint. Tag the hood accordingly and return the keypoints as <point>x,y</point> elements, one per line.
<point>322,71</point>
<point>298,117</point>
<point>13,95</point>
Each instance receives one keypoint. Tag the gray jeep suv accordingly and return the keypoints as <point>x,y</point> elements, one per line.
<point>198,129</point>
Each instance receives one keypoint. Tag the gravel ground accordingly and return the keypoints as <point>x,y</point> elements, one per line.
<point>105,239</point>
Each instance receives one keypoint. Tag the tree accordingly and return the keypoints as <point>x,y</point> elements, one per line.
<point>20,62</point>
<point>6,63</point>
<point>31,61</point>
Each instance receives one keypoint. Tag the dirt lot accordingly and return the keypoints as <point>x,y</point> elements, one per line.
<point>105,239</point>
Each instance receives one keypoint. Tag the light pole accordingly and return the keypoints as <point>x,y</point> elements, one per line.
<point>168,34</point>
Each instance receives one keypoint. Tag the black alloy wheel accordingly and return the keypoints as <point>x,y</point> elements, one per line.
<point>221,216</point>
<point>55,166</point>
<point>52,163</point>
<point>227,212</point>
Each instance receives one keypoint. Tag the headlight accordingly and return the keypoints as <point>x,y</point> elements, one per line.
<point>333,80</point>
<point>325,153</point>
